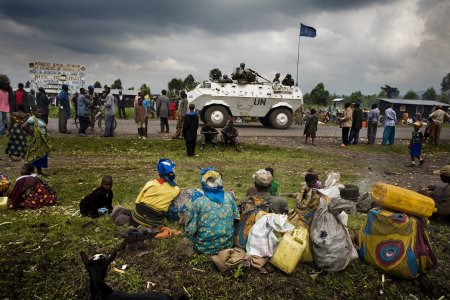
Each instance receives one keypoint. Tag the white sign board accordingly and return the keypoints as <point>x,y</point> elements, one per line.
<point>53,75</point>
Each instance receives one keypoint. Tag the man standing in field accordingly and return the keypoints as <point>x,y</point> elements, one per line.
<point>109,113</point>
<point>162,110</point>
<point>62,101</point>
<point>181,112</point>
<point>390,118</point>
<point>438,116</point>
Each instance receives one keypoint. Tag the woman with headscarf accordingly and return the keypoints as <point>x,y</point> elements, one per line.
<point>155,198</point>
<point>211,215</point>
<point>39,141</point>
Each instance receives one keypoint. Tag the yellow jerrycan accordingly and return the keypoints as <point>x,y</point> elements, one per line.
<point>403,200</point>
<point>290,250</point>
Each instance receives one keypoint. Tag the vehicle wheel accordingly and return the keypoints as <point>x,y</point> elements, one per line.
<point>77,122</point>
<point>265,121</point>
<point>217,115</point>
<point>281,118</point>
<point>350,192</point>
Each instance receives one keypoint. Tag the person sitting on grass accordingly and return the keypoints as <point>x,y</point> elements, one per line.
<point>307,202</point>
<point>30,191</point>
<point>440,194</point>
<point>208,134</point>
<point>156,196</point>
<point>273,189</point>
<point>99,202</point>
<point>257,202</point>
<point>210,218</point>
<point>415,145</point>
<point>230,135</point>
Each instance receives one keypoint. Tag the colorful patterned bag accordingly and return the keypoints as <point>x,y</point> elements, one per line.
<point>396,243</point>
<point>251,209</point>
<point>39,196</point>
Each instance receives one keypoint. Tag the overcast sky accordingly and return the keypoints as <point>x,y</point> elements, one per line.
<point>360,44</point>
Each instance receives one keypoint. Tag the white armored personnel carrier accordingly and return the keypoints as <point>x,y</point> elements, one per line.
<point>274,104</point>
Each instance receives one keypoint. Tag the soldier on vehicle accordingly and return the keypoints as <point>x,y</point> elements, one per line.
<point>277,78</point>
<point>239,73</point>
<point>225,79</point>
<point>288,80</point>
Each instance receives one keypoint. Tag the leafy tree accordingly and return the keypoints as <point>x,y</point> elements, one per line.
<point>27,84</point>
<point>430,94</point>
<point>411,95</point>
<point>356,96</point>
<point>445,85</point>
<point>131,88</point>
<point>215,74</point>
<point>145,89</point>
<point>175,85</point>
<point>391,92</point>
<point>382,94</point>
<point>97,84</point>
<point>319,95</point>
<point>189,82</point>
<point>445,97</point>
<point>117,84</point>
<point>307,98</point>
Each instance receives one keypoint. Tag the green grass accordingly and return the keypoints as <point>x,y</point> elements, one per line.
<point>39,252</point>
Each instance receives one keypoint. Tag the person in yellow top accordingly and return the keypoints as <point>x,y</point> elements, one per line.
<point>156,196</point>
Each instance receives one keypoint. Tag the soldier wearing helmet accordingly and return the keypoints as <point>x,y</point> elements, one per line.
<point>277,78</point>
<point>288,80</point>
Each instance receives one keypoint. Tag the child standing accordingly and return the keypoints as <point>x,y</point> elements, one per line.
<point>98,202</point>
<point>140,115</point>
<point>311,126</point>
<point>415,146</point>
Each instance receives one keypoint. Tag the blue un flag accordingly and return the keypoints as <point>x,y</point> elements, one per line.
<point>307,31</point>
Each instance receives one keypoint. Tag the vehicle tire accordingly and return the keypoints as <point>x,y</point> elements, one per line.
<point>350,192</point>
<point>281,118</point>
<point>217,115</point>
<point>265,121</point>
<point>101,123</point>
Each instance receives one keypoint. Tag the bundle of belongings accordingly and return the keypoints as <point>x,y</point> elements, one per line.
<point>394,238</point>
<point>314,230</point>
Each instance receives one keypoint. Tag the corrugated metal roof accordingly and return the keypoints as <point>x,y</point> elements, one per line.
<point>414,102</point>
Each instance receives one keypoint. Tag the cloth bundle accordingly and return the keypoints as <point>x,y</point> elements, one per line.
<point>396,244</point>
<point>262,240</point>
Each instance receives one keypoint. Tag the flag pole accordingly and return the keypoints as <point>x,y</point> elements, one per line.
<point>298,56</point>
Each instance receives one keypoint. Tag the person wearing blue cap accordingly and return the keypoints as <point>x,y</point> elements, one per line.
<point>156,196</point>
<point>62,101</point>
<point>356,124</point>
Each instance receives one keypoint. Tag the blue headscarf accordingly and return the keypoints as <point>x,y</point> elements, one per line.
<point>165,169</point>
<point>212,188</point>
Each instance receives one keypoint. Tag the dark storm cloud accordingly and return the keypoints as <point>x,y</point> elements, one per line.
<point>66,20</point>
<point>161,39</point>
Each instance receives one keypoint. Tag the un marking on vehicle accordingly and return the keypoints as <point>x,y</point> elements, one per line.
<point>259,101</point>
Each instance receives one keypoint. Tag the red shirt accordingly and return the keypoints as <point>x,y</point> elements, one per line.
<point>19,97</point>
